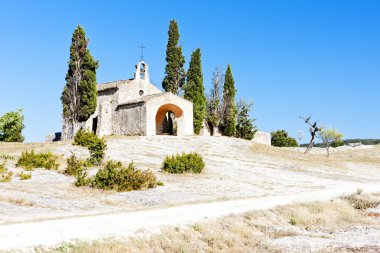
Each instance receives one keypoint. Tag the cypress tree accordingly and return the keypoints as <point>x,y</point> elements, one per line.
<point>195,91</point>
<point>80,93</point>
<point>174,71</point>
<point>228,126</point>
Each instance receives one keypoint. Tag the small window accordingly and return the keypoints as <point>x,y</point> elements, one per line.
<point>141,92</point>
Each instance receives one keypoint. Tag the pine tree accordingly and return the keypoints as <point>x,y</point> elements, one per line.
<point>245,128</point>
<point>228,125</point>
<point>80,93</point>
<point>174,72</point>
<point>195,91</point>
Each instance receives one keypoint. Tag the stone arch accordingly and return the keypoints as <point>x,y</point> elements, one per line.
<point>164,119</point>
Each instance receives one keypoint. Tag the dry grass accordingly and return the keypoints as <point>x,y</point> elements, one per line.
<point>17,201</point>
<point>250,232</point>
<point>338,159</point>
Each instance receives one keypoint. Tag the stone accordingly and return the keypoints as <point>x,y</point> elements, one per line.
<point>262,138</point>
<point>136,107</point>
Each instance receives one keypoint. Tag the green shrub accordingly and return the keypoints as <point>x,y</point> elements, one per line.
<point>2,168</point>
<point>293,221</point>
<point>5,157</point>
<point>6,177</point>
<point>95,145</point>
<point>74,165</point>
<point>25,176</point>
<point>116,177</point>
<point>181,163</point>
<point>31,160</point>
<point>280,138</point>
<point>82,178</point>
<point>77,168</point>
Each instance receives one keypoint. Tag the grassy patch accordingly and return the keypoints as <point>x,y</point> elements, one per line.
<point>25,175</point>
<point>5,175</point>
<point>31,160</point>
<point>6,157</point>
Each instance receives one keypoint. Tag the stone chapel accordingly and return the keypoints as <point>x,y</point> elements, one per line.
<point>137,107</point>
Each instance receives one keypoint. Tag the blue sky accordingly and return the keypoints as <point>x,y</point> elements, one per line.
<point>290,58</point>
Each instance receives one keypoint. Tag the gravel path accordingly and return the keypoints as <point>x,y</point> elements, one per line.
<point>53,232</point>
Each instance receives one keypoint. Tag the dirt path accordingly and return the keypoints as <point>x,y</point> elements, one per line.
<point>53,232</point>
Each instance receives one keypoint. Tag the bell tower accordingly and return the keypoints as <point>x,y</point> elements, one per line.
<point>142,72</point>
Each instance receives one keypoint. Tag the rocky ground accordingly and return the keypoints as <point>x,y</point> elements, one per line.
<point>235,169</point>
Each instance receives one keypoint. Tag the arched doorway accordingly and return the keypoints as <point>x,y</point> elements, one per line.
<point>169,119</point>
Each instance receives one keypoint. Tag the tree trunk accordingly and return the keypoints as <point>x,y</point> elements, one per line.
<point>311,144</point>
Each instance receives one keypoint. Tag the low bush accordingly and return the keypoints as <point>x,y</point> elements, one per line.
<point>5,157</point>
<point>116,177</point>
<point>181,163</point>
<point>95,145</point>
<point>280,138</point>
<point>74,165</point>
<point>77,168</point>
<point>5,176</point>
<point>2,168</point>
<point>31,160</point>
<point>82,178</point>
<point>25,176</point>
<point>362,201</point>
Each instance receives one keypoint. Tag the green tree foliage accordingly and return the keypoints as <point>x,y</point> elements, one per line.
<point>228,126</point>
<point>280,138</point>
<point>245,127</point>
<point>79,94</point>
<point>11,126</point>
<point>214,110</point>
<point>97,146</point>
<point>174,72</point>
<point>195,91</point>
<point>330,137</point>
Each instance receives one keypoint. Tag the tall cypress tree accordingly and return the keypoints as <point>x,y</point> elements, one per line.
<point>174,72</point>
<point>195,91</point>
<point>79,94</point>
<point>228,126</point>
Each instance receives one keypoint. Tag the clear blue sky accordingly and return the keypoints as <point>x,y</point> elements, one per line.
<point>290,58</point>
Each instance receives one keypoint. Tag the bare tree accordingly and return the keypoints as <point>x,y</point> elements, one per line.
<point>313,129</point>
<point>214,101</point>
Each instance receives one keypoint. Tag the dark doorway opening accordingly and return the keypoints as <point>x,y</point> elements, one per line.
<point>94,124</point>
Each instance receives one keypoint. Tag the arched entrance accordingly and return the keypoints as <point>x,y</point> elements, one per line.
<point>169,119</point>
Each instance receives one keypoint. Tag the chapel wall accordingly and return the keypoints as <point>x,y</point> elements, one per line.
<point>129,119</point>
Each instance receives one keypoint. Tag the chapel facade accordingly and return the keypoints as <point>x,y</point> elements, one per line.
<point>137,107</point>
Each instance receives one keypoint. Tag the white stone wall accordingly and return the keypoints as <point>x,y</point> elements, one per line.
<point>184,123</point>
<point>129,120</point>
<point>262,138</point>
<point>130,91</point>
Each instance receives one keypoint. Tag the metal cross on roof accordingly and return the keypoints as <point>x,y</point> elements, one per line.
<point>142,52</point>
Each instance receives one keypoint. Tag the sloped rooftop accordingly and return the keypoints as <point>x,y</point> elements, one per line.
<point>112,85</point>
